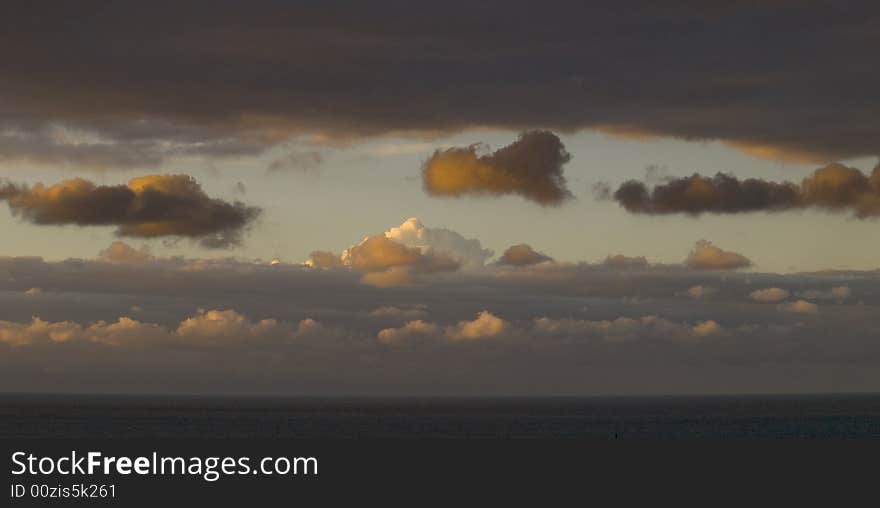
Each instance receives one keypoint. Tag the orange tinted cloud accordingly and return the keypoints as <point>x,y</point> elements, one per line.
<point>531,167</point>
<point>834,187</point>
<point>147,207</point>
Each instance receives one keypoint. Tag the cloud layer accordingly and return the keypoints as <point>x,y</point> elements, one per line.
<point>739,72</point>
<point>834,187</point>
<point>531,167</point>
<point>147,207</point>
<point>572,328</point>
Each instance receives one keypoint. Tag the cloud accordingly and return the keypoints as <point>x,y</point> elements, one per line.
<point>123,331</point>
<point>522,255</point>
<point>324,259</point>
<point>121,252</point>
<point>706,256</point>
<point>832,188</point>
<point>576,328</point>
<point>769,295</point>
<point>706,328</point>
<point>396,256</point>
<point>205,328</point>
<point>225,325</point>
<point>33,292</point>
<point>841,292</point>
<point>622,329</point>
<point>225,89</point>
<point>412,329</point>
<point>621,261</point>
<point>468,252</point>
<point>799,307</point>
<point>485,325</point>
<point>400,312</point>
<point>531,167</point>
<point>698,292</point>
<point>378,253</point>
<point>301,162</point>
<point>147,207</point>
<point>838,293</point>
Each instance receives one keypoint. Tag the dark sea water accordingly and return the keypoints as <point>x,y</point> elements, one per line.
<point>727,417</point>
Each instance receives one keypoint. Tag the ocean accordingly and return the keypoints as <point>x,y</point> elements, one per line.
<point>28,416</point>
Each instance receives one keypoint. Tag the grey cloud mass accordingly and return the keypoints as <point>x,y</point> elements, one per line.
<point>220,325</point>
<point>835,187</point>
<point>122,84</point>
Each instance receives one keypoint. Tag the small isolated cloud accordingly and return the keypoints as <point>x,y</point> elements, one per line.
<point>834,187</point>
<point>799,307</point>
<point>699,292</point>
<point>522,255</point>
<point>33,292</point>
<point>147,207</point>
<point>706,256</point>
<point>484,326</point>
<point>121,252</point>
<point>409,312</point>
<point>769,295</point>
<point>531,167</point>
<point>297,162</point>
<point>841,292</point>
<point>706,328</point>
<point>621,261</point>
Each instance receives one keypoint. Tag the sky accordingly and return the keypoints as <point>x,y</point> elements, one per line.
<point>334,198</point>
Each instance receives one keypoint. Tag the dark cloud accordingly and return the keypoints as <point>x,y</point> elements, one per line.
<point>522,255</point>
<point>531,166</point>
<point>834,187</point>
<point>220,78</point>
<point>302,162</point>
<point>147,207</point>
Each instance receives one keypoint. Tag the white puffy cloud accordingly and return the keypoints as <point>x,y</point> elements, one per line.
<point>467,251</point>
<point>769,295</point>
